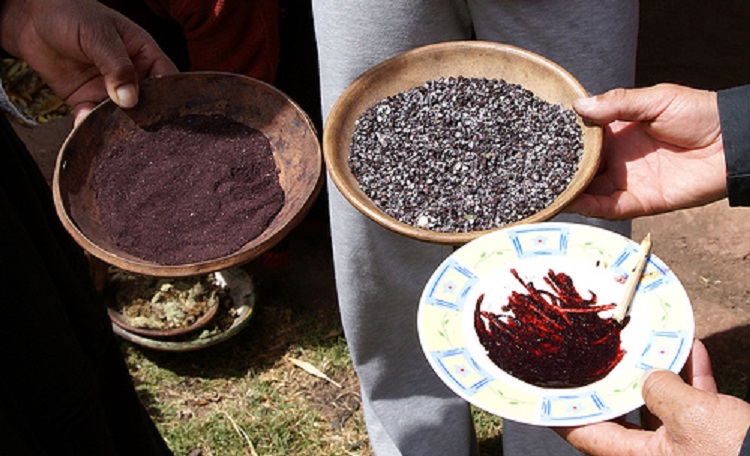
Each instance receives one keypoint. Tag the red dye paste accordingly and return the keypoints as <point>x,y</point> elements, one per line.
<point>551,339</point>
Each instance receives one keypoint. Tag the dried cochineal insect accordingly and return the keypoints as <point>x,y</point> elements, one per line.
<point>465,154</point>
<point>551,339</point>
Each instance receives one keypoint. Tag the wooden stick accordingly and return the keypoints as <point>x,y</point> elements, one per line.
<point>633,280</point>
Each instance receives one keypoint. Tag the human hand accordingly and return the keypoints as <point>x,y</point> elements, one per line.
<point>692,420</point>
<point>662,151</point>
<point>83,50</point>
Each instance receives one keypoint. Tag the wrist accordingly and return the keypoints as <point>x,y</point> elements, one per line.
<point>735,126</point>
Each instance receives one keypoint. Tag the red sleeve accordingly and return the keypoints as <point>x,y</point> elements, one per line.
<point>238,36</point>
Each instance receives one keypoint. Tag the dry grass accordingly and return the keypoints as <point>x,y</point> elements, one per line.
<point>28,93</point>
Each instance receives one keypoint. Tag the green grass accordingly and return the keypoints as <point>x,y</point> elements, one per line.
<point>276,409</point>
<point>246,396</point>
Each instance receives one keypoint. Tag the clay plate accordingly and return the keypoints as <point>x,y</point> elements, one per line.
<point>458,58</point>
<point>293,138</point>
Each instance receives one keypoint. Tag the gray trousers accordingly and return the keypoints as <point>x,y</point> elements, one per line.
<point>380,274</point>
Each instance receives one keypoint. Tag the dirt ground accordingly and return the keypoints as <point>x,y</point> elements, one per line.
<point>709,251</point>
<point>708,248</point>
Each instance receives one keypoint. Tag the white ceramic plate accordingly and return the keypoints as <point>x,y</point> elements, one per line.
<point>658,335</point>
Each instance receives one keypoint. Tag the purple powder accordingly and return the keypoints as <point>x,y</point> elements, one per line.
<point>187,190</point>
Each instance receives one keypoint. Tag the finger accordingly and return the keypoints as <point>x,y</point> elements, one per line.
<point>109,54</point>
<point>587,205</point>
<point>151,61</point>
<point>614,206</point>
<point>80,111</point>
<point>698,369</point>
<point>606,438</point>
<point>125,96</point>
<point>665,395</point>
<point>147,60</point>
<point>626,104</point>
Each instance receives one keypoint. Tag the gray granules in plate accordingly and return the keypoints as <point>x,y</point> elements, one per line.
<point>464,154</point>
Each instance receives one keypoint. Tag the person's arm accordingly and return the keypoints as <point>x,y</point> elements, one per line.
<point>83,50</point>
<point>734,111</point>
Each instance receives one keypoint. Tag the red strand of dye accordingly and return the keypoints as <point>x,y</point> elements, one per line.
<point>551,339</point>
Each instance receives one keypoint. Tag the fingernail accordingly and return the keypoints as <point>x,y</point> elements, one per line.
<point>648,373</point>
<point>126,96</point>
<point>79,115</point>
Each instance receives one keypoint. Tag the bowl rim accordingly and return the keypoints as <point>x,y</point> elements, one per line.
<point>346,183</point>
<point>146,267</point>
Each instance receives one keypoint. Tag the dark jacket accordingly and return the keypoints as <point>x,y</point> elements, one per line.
<point>734,110</point>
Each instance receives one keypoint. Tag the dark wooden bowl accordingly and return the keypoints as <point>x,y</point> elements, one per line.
<point>293,138</point>
<point>470,59</point>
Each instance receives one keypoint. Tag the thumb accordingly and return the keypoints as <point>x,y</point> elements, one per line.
<point>698,368</point>
<point>107,46</point>
<point>634,105</point>
<point>666,395</point>
<point>124,95</point>
<point>120,76</point>
<point>80,111</point>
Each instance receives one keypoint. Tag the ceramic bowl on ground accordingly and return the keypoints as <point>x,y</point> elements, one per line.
<point>294,143</point>
<point>118,319</point>
<point>149,294</point>
<point>227,323</point>
<point>470,59</point>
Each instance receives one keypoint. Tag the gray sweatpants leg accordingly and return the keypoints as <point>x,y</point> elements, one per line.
<point>379,274</point>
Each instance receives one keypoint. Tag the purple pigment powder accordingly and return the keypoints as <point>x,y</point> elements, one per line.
<point>187,190</point>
